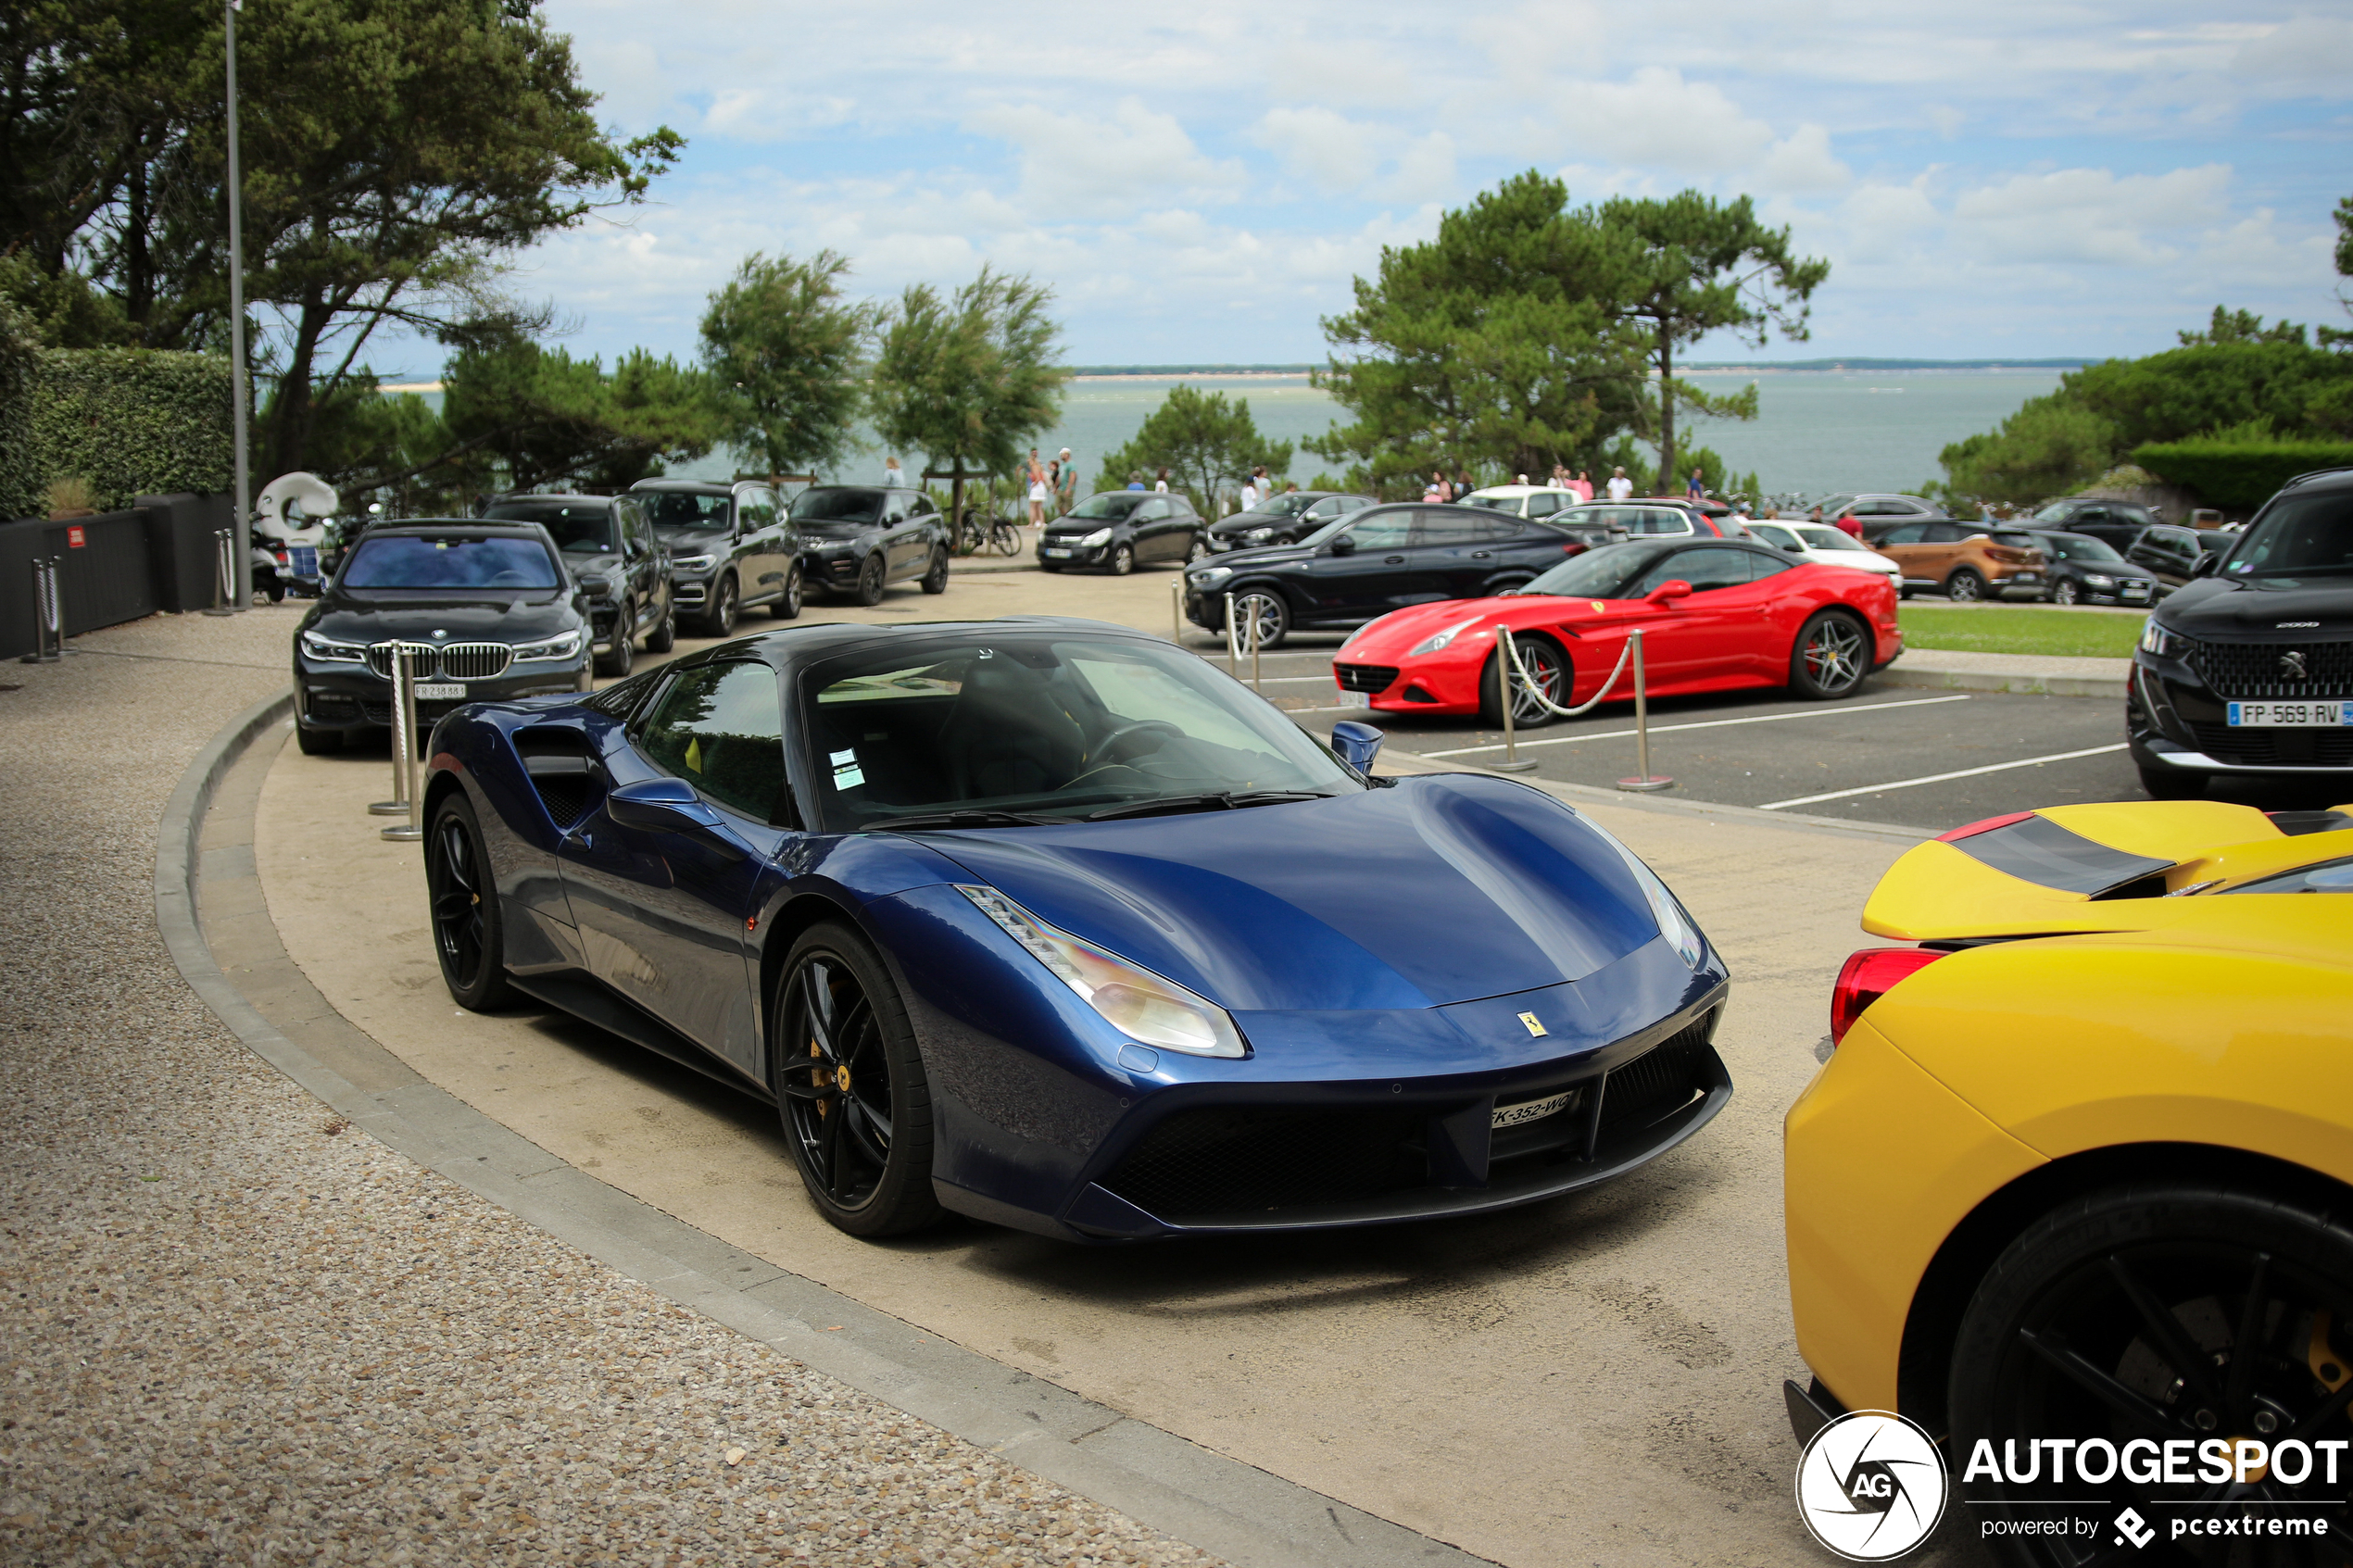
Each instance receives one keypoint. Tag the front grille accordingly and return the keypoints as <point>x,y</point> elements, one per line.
<point>2253,670</point>
<point>1660,1081</point>
<point>1366,677</point>
<point>2262,747</point>
<point>451,661</point>
<point>1236,1159</point>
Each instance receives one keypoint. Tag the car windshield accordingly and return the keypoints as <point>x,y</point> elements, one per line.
<point>2013,538</point>
<point>685,508</point>
<point>579,528</point>
<point>453,561</point>
<point>1107,506</point>
<point>1275,508</point>
<point>1017,725</point>
<point>1495,503</point>
<point>2058,511</point>
<point>1598,573</point>
<point>835,509</point>
<point>1773,533</point>
<point>1818,536</point>
<point>2078,547</point>
<point>2298,537</point>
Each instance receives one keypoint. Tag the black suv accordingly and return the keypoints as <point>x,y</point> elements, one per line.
<point>613,554</point>
<point>730,550</point>
<point>2249,668</point>
<point>487,609</point>
<point>1372,562</point>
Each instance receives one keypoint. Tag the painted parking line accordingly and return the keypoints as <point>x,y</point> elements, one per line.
<point>1709,724</point>
<point>1941,778</point>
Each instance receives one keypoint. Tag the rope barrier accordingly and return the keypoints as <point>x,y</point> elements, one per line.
<point>1511,644</point>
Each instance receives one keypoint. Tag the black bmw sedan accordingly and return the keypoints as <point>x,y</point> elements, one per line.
<point>1121,529</point>
<point>2249,668</point>
<point>487,607</point>
<point>1372,562</point>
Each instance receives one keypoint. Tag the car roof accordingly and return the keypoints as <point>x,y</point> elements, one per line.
<point>565,495</point>
<point>807,642</point>
<point>2321,476</point>
<point>493,528</point>
<point>692,486</point>
<point>1516,491</point>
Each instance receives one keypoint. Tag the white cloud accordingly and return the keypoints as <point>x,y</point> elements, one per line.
<point>2316,51</point>
<point>1079,163</point>
<point>1424,172</point>
<point>1802,162</point>
<point>1319,145</point>
<point>1658,120</point>
<point>2089,215</point>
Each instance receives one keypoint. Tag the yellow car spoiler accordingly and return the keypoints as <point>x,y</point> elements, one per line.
<point>2068,868</point>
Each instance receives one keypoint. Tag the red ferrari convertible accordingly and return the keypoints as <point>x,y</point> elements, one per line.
<point>1716,614</point>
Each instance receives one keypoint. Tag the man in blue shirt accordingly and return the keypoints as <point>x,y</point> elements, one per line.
<point>1697,488</point>
<point>1134,479</point>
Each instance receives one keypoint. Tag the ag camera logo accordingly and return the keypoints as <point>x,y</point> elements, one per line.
<point>1871,1486</point>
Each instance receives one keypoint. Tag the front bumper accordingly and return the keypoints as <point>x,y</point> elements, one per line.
<point>346,696</point>
<point>1063,552</point>
<point>2026,583</point>
<point>2173,718</point>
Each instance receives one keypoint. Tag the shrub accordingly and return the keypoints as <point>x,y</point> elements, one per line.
<point>2236,473</point>
<point>21,474</point>
<point>132,422</point>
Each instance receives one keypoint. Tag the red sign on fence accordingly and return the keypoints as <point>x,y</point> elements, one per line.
<point>75,538</point>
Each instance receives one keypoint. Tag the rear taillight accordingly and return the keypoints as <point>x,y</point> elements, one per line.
<point>1869,975</point>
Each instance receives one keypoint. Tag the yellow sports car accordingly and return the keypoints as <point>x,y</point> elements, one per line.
<point>2074,1190</point>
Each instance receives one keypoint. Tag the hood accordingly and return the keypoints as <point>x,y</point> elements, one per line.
<point>1437,890</point>
<point>1266,555</point>
<point>1390,636</point>
<point>2244,610</point>
<point>362,617</point>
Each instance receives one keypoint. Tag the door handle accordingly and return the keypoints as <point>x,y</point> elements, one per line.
<point>1392,561</point>
<point>1480,555</point>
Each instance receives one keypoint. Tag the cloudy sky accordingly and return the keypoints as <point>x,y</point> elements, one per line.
<point>1200,182</point>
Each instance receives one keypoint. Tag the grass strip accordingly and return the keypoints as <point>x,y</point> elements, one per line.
<point>2018,628</point>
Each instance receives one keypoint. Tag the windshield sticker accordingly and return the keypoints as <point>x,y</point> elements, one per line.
<point>848,775</point>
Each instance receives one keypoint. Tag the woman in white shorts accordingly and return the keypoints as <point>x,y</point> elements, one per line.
<point>1037,493</point>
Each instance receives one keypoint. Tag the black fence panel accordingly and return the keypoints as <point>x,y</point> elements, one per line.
<point>181,544</point>
<point>106,575</point>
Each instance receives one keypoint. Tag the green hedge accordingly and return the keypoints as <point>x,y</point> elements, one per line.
<point>132,422</point>
<point>2238,475</point>
<point>20,477</point>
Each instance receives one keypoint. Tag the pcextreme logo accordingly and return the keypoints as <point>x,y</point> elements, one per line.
<point>1871,1486</point>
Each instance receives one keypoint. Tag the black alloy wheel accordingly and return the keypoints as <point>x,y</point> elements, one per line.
<point>622,655</point>
<point>869,581</point>
<point>1548,676</point>
<point>851,1087</point>
<point>463,897</point>
<point>2174,1311</point>
<point>785,606</point>
<point>936,580</point>
<point>2064,592</point>
<point>720,621</point>
<point>1965,586</point>
<point>1123,560</point>
<point>1831,656</point>
<point>1267,610</point>
<point>665,637</point>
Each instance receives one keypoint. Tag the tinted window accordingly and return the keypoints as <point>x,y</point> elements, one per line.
<point>1157,507</point>
<point>1494,526</point>
<point>2078,547</point>
<point>2058,511</point>
<point>1905,533</point>
<point>1107,505</point>
<point>1451,526</point>
<point>1545,503</point>
<point>1354,503</point>
<point>758,508</point>
<point>1598,573</point>
<point>720,729</point>
<point>1706,568</point>
<point>685,508</point>
<point>1775,535</point>
<point>1328,507</point>
<point>837,503</point>
<point>457,563</point>
<point>1388,531</point>
<point>1943,533</point>
<point>1657,520</point>
<point>581,527</point>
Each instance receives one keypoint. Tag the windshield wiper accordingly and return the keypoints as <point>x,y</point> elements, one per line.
<point>973,819</point>
<point>1225,800</point>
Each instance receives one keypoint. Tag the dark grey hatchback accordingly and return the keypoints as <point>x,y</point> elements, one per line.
<point>1122,530</point>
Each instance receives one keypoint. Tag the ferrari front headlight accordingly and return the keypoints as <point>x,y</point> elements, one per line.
<point>1140,1004</point>
<point>1432,645</point>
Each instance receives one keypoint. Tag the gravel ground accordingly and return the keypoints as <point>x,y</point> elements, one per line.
<point>240,1331</point>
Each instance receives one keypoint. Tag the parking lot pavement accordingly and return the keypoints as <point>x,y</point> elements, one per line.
<point>1890,753</point>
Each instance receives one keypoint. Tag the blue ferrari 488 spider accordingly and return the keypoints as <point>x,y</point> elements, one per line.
<point>1052,924</point>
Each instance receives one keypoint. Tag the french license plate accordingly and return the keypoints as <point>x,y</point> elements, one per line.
<point>2291,715</point>
<point>1355,699</point>
<point>2026,577</point>
<point>1053,554</point>
<point>441,691</point>
<point>1528,1111</point>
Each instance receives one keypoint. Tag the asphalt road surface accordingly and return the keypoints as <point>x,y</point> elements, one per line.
<point>1889,754</point>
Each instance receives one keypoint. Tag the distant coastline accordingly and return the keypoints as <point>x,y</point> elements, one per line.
<point>1697,367</point>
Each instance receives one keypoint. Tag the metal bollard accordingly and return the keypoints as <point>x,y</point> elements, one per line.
<point>224,572</point>
<point>1176,612</point>
<point>402,743</point>
<point>1254,684</point>
<point>404,703</point>
<point>1233,652</point>
<point>1511,762</point>
<point>1646,782</point>
<point>48,614</point>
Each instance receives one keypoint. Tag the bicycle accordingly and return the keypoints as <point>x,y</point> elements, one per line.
<point>977,533</point>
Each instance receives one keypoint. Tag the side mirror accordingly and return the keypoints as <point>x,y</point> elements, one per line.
<point>671,806</point>
<point>2207,564</point>
<point>1344,546</point>
<point>1794,549</point>
<point>1668,591</point>
<point>1357,743</point>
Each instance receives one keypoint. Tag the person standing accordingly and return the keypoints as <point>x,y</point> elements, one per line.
<point>894,476</point>
<point>1069,494</point>
<point>1436,489</point>
<point>1036,491</point>
<point>1160,483</point>
<point>1697,488</point>
<point>1620,487</point>
<point>1249,490</point>
<point>1583,486</point>
<point>1134,479</point>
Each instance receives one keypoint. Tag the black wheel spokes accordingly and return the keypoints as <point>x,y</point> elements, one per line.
<point>2165,1332</point>
<point>2239,1387</point>
<point>456,903</point>
<point>2071,1364</point>
<point>836,1083</point>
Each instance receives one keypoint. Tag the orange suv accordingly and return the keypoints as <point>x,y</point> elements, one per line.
<point>1966,561</point>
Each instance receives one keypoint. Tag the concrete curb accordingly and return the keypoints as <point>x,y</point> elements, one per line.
<point>1245,1515</point>
<point>2025,682</point>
